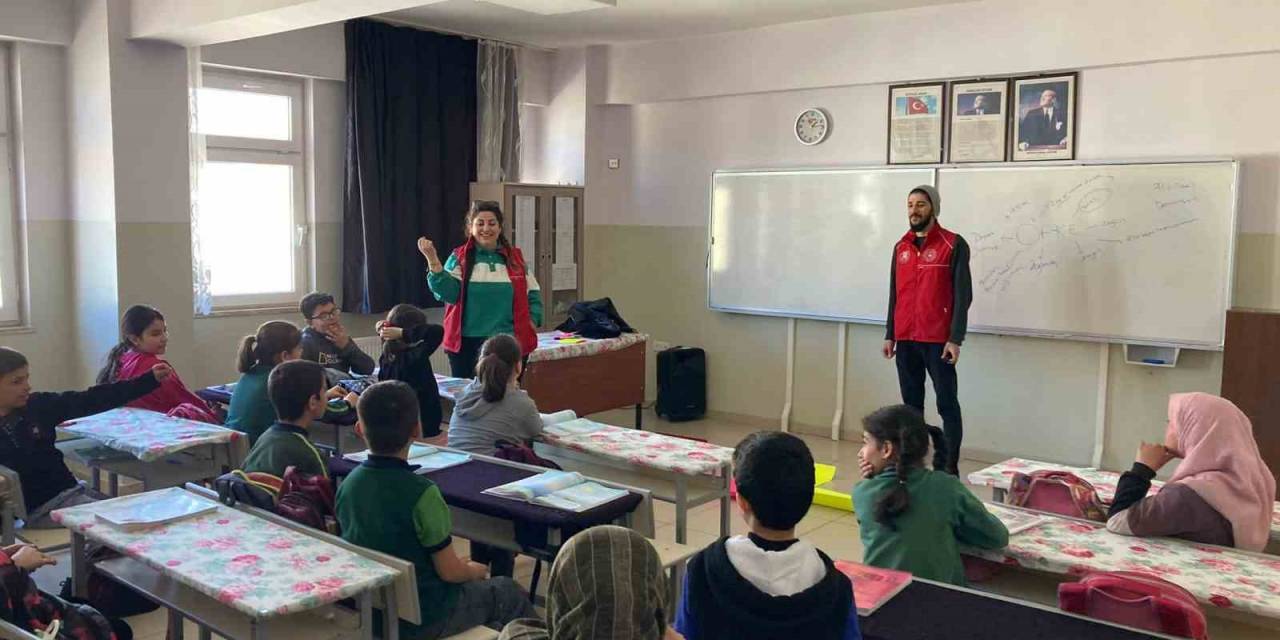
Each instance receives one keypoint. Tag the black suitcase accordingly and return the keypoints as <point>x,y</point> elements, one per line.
<point>682,383</point>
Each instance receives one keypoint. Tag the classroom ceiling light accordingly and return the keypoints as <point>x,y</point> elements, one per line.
<point>553,7</point>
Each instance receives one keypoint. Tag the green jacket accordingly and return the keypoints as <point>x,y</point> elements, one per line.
<point>925,539</point>
<point>488,309</point>
<point>251,411</point>
<point>283,446</point>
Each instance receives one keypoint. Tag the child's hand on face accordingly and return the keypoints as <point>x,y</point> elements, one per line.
<point>866,469</point>
<point>388,333</point>
<point>162,371</point>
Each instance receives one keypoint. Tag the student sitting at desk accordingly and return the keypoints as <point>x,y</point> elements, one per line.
<point>143,339</point>
<point>251,411</point>
<point>606,584</point>
<point>297,390</point>
<point>768,584</point>
<point>326,341</point>
<point>1222,492</point>
<point>27,432</point>
<point>385,506</point>
<point>913,519</point>
<point>494,407</point>
<point>408,341</point>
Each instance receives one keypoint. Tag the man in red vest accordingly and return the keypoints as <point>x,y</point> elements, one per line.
<point>929,294</point>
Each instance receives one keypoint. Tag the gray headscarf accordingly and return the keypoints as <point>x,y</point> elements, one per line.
<point>931,192</point>
<point>606,584</point>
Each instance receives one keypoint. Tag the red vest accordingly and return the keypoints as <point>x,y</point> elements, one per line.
<point>520,315</point>
<point>925,293</point>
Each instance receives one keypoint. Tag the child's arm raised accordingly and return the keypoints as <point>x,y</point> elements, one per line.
<point>55,408</point>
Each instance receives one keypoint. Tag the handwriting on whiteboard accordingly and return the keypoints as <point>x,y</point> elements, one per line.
<point>1033,238</point>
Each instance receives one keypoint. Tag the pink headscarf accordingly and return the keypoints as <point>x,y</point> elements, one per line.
<point>1221,463</point>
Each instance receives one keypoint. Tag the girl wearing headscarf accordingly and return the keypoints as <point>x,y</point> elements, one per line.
<point>606,584</point>
<point>1222,492</point>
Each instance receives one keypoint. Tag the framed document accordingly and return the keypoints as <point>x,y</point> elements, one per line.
<point>915,123</point>
<point>1044,127</point>
<point>979,111</point>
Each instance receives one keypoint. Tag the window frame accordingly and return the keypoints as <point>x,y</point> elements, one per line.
<point>291,153</point>
<point>12,250</point>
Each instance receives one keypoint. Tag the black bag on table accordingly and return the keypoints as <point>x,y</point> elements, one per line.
<point>682,383</point>
<point>595,319</point>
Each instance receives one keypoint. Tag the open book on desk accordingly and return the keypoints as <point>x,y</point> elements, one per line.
<point>564,490</point>
<point>567,423</point>
<point>1014,520</point>
<point>425,456</point>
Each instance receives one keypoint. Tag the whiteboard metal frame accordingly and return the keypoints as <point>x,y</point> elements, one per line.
<point>936,168</point>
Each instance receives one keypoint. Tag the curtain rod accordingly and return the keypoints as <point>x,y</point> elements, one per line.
<point>463,34</point>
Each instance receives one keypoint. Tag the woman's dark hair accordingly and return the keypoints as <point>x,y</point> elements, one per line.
<point>498,359</point>
<point>404,317</point>
<point>904,427</point>
<point>272,338</point>
<point>480,206</point>
<point>11,360</point>
<point>133,324</point>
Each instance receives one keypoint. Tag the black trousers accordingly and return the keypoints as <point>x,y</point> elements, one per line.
<point>915,359</point>
<point>463,363</point>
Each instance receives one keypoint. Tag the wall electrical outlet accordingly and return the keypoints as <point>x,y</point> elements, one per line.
<point>614,163</point>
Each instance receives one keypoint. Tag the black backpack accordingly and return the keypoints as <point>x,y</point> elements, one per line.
<point>595,319</point>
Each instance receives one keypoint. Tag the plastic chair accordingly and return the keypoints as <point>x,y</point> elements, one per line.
<point>1136,600</point>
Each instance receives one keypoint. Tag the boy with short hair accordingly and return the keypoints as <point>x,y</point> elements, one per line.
<point>326,341</point>
<point>27,431</point>
<point>297,391</point>
<point>383,505</point>
<point>768,584</point>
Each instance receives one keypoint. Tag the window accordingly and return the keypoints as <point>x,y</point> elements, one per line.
<point>251,221</point>
<point>10,247</point>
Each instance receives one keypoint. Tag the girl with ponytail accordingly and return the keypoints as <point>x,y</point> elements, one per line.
<point>143,339</point>
<point>912,518</point>
<point>408,340</point>
<point>251,411</point>
<point>494,408</point>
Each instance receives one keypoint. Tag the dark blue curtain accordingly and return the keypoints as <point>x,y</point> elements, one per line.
<point>411,158</point>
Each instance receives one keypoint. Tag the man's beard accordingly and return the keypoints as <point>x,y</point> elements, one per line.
<point>924,223</point>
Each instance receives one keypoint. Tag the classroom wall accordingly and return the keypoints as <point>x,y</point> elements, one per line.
<point>672,123</point>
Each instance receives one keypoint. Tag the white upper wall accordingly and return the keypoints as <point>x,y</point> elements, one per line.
<point>46,21</point>
<point>995,37</point>
<point>318,52</point>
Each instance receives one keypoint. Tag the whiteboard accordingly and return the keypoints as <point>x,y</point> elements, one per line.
<point>1131,253</point>
<point>807,243</point>
<point>1138,253</point>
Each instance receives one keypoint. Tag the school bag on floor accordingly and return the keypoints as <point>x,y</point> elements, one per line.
<point>1060,492</point>
<point>1137,600</point>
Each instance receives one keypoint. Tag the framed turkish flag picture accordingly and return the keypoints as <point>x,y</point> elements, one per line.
<point>916,114</point>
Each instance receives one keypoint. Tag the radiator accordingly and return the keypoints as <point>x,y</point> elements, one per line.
<point>371,345</point>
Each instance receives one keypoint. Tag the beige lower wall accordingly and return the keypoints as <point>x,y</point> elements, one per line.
<point>1021,396</point>
<point>50,329</point>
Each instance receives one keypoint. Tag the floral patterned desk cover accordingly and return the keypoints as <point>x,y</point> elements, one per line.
<point>998,476</point>
<point>147,435</point>
<point>646,449</point>
<point>1217,576</point>
<point>550,349</point>
<point>257,567</point>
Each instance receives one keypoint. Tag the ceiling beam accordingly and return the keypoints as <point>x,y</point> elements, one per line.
<point>203,23</point>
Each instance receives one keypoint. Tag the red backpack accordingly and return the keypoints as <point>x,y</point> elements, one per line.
<point>1137,600</point>
<point>1060,492</point>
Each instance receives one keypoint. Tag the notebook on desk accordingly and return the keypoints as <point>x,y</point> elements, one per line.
<point>872,586</point>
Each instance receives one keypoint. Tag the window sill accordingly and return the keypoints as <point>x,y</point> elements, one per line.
<point>235,312</point>
<point>16,329</point>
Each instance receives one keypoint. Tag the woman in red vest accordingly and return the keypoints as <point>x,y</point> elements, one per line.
<point>487,289</point>
<point>930,290</point>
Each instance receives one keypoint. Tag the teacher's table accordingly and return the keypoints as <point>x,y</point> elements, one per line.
<point>587,376</point>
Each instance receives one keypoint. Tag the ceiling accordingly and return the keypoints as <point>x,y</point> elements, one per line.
<point>632,20</point>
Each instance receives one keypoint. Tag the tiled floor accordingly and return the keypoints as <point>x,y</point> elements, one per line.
<point>834,531</point>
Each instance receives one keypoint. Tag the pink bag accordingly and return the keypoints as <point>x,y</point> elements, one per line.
<point>1137,600</point>
<point>1060,492</point>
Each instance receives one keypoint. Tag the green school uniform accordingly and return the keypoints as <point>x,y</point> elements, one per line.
<point>250,410</point>
<point>283,446</point>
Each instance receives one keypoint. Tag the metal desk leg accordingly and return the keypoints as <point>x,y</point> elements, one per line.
<point>257,629</point>
<point>113,482</point>
<point>390,615</point>
<point>366,615</point>
<point>95,478</point>
<point>640,417</point>
<point>205,633</point>
<point>725,508</point>
<point>998,494</point>
<point>337,439</point>
<point>79,566</point>
<point>175,625</point>
<point>682,510</point>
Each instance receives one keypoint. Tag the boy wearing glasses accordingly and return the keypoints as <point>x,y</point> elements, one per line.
<point>326,341</point>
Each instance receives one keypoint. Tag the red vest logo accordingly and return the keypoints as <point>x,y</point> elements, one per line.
<point>931,255</point>
<point>905,256</point>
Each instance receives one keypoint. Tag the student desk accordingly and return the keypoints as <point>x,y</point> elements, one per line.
<point>928,610</point>
<point>998,477</point>
<point>587,377</point>
<point>514,525</point>
<point>1227,582</point>
<point>686,473</point>
<point>249,576</point>
<point>158,450</point>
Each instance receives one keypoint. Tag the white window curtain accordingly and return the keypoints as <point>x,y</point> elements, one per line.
<point>498,97</point>
<point>203,298</point>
